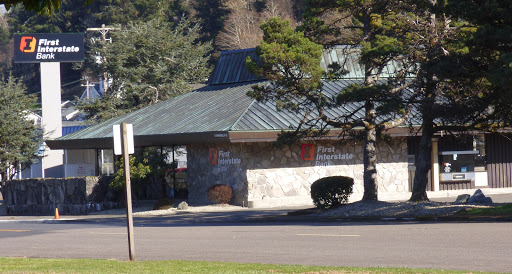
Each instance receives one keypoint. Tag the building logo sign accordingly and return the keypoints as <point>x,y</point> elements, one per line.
<point>222,159</point>
<point>322,155</point>
<point>307,152</point>
<point>49,47</point>
<point>213,158</point>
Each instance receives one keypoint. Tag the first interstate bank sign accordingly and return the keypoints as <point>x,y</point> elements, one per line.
<point>48,47</point>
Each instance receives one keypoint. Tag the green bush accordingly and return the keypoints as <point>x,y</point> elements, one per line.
<point>220,194</point>
<point>147,167</point>
<point>331,191</point>
<point>139,170</point>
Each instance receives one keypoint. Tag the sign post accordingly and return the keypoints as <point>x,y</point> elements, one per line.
<point>50,49</point>
<point>125,139</point>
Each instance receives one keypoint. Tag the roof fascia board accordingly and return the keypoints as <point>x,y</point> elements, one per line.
<point>143,140</point>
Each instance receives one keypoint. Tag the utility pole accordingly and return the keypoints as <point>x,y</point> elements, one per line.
<point>104,30</point>
<point>87,85</point>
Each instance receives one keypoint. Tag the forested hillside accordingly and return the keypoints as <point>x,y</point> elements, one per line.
<point>227,24</point>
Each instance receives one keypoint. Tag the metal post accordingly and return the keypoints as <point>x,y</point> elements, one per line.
<point>129,216</point>
<point>174,173</point>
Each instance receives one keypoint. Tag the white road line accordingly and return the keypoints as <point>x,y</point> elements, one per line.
<point>328,235</point>
<point>108,233</point>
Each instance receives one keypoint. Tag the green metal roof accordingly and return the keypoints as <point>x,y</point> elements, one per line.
<point>208,113</point>
<point>213,108</point>
<point>231,65</point>
<point>348,56</point>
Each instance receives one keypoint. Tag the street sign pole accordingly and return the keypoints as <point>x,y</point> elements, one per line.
<point>129,216</point>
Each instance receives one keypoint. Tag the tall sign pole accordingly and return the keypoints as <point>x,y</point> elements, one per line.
<point>51,119</point>
<point>50,49</point>
<point>123,138</point>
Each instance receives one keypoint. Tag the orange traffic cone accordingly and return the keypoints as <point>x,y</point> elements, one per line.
<point>57,213</point>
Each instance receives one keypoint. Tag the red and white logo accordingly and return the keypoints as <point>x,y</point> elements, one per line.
<point>214,156</point>
<point>307,152</point>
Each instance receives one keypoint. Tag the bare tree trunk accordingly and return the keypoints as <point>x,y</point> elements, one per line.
<point>424,160</point>
<point>2,182</point>
<point>423,164</point>
<point>370,154</point>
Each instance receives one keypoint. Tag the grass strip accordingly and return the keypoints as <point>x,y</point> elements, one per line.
<point>502,210</point>
<point>30,265</point>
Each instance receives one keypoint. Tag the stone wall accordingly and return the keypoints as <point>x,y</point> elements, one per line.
<point>71,196</point>
<point>208,165</point>
<point>265,176</point>
<point>286,176</point>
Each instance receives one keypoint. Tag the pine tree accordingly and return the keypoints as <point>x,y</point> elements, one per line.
<point>452,90</point>
<point>292,64</point>
<point>20,139</point>
<point>148,62</point>
<point>490,46</point>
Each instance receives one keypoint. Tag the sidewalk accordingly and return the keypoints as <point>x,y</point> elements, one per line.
<point>242,215</point>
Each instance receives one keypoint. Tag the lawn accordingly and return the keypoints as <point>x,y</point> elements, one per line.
<point>27,265</point>
<point>502,210</point>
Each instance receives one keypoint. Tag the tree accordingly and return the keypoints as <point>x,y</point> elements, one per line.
<point>211,15</point>
<point>452,90</point>
<point>74,16</point>
<point>448,90</point>
<point>241,27</point>
<point>39,6</point>
<point>376,27</point>
<point>148,62</point>
<point>490,45</point>
<point>6,51</point>
<point>20,139</point>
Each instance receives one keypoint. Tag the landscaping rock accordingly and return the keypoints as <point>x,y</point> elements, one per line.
<point>487,200</point>
<point>183,206</point>
<point>462,199</point>
<point>479,198</point>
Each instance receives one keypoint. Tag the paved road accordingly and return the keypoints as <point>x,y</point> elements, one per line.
<point>461,246</point>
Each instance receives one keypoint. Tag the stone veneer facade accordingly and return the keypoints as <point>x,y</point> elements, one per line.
<point>265,176</point>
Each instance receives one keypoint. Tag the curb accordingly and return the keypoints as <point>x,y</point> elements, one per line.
<point>268,218</point>
<point>489,219</point>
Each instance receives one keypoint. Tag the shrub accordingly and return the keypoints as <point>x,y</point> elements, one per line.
<point>220,194</point>
<point>164,203</point>
<point>331,191</point>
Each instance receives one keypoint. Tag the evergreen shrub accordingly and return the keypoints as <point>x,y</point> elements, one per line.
<point>220,194</point>
<point>331,191</point>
